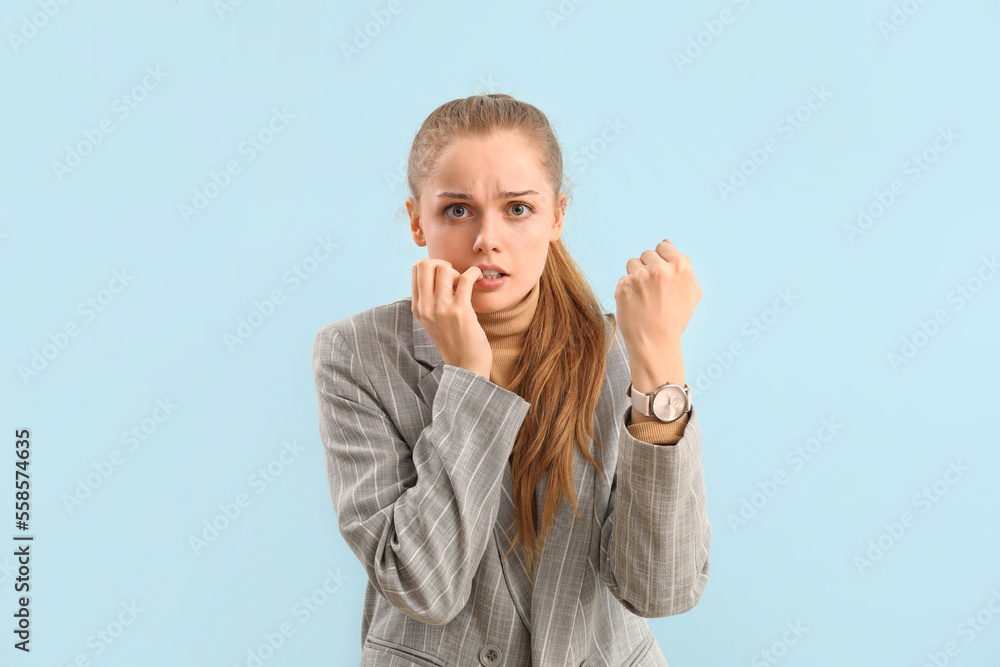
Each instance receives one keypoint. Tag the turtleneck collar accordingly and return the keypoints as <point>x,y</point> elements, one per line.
<point>505,330</point>
<point>513,321</point>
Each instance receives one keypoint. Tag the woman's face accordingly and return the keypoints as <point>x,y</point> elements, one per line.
<point>489,202</point>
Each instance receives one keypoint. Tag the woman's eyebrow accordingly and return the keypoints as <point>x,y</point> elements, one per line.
<point>506,194</point>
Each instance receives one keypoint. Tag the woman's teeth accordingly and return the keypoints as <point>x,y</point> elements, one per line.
<point>491,275</point>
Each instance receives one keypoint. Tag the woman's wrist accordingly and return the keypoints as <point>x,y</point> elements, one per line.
<point>649,371</point>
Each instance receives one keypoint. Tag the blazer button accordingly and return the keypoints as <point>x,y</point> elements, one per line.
<point>490,655</point>
<point>586,663</point>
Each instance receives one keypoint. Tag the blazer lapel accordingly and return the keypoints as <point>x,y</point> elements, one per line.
<point>560,573</point>
<point>558,592</point>
<point>519,584</point>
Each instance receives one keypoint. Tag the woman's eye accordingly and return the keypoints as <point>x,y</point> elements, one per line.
<point>456,207</point>
<point>520,206</point>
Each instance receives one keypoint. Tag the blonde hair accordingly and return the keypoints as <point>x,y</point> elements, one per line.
<point>561,369</point>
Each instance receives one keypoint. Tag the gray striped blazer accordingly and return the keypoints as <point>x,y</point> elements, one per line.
<point>417,463</point>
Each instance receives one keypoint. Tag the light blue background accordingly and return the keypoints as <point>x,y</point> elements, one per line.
<point>332,173</point>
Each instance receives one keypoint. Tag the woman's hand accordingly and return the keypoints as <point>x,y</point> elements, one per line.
<point>442,302</point>
<point>655,301</point>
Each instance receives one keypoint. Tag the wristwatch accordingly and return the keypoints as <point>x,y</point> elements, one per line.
<point>667,403</point>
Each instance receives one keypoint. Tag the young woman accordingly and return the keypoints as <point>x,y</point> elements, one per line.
<point>496,457</point>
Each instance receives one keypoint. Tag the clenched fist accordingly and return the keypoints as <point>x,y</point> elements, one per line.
<point>656,299</point>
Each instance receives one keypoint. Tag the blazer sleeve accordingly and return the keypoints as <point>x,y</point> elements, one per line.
<point>418,520</point>
<point>656,534</point>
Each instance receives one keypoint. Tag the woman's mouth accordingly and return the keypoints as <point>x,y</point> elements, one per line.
<point>492,280</point>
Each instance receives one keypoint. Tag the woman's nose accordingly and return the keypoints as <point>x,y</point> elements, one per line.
<point>489,231</point>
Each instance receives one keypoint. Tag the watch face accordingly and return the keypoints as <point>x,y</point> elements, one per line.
<point>669,403</point>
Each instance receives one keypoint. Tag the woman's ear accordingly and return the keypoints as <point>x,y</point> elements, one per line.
<point>415,228</point>
<point>557,223</point>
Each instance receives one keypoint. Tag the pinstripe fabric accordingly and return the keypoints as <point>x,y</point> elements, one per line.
<point>417,463</point>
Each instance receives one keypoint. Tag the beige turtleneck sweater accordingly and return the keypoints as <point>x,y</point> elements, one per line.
<point>505,330</point>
